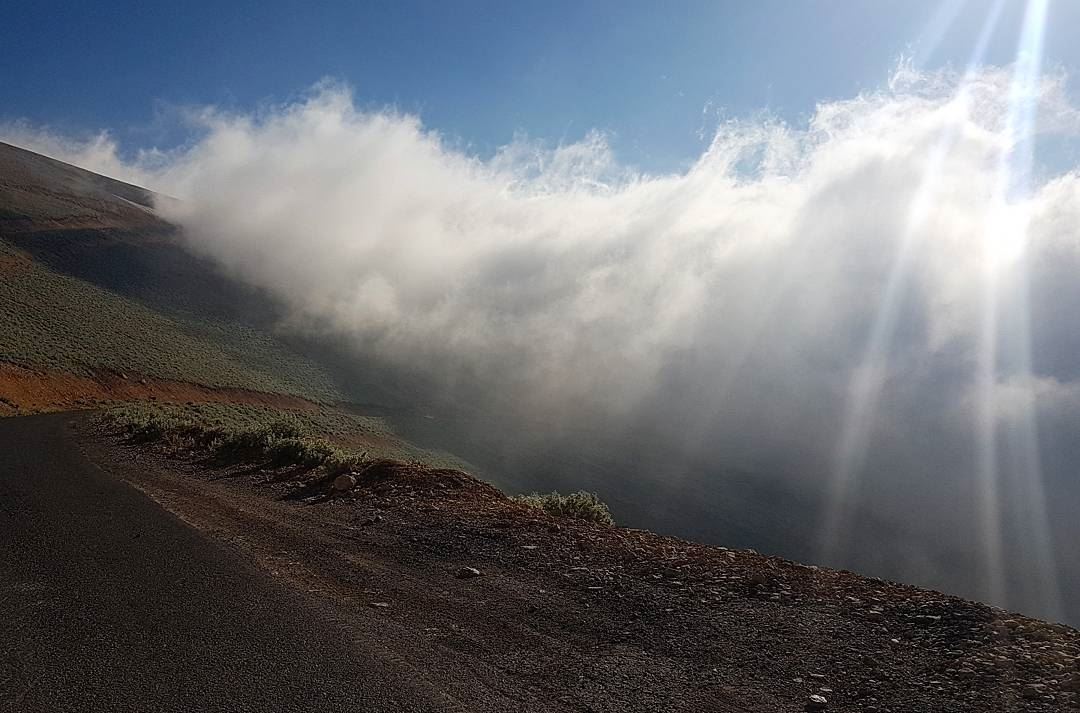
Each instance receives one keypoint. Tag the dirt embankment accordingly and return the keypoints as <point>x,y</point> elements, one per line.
<point>559,615</point>
<point>14,266</point>
<point>24,391</point>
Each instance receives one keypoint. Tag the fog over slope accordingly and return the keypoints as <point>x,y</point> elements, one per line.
<point>877,306</point>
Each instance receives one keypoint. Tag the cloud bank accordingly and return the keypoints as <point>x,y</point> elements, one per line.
<point>879,304</point>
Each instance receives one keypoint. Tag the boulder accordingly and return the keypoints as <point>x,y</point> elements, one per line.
<point>344,482</point>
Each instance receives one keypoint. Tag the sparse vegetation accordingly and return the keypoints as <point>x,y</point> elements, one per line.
<point>63,323</point>
<point>322,438</point>
<point>581,505</point>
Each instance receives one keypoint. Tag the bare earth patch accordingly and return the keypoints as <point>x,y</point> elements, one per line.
<point>567,615</point>
<point>24,390</point>
<point>13,266</point>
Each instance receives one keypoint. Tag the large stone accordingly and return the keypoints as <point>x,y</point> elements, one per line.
<point>344,482</point>
<point>1033,690</point>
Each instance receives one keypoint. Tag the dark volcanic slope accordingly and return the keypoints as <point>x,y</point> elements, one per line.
<point>107,603</point>
<point>570,616</point>
<point>37,193</point>
<point>105,232</point>
<point>91,279</point>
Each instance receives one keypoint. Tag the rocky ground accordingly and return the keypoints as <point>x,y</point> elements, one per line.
<point>501,607</point>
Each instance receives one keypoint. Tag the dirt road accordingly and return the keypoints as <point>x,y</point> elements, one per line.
<point>110,603</point>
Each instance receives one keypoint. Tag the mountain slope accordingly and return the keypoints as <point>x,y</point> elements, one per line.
<point>38,193</point>
<point>566,615</point>
<point>93,280</point>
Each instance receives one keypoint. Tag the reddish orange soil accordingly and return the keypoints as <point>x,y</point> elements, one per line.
<point>24,390</point>
<point>12,265</point>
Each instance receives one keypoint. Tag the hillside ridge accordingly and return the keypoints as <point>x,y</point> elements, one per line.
<point>562,614</point>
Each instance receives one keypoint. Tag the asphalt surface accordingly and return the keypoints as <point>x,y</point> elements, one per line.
<point>109,603</point>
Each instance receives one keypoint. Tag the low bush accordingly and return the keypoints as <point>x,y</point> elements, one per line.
<point>235,433</point>
<point>581,505</point>
<point>271,436</point>
<point>276,438</point>
<point>310,452</point>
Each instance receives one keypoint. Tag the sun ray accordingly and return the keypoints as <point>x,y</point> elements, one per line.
<point>1004,359</point>
<point>939,24</point>
<point>869,378</point>
<point>1021,438</point>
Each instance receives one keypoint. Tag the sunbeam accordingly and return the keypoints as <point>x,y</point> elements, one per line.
<point>1004,358</point>
<point>939,24</point>
<point>868,379</point>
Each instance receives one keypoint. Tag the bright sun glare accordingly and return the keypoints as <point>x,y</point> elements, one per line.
<point>1006,235</point>
<point>1004,354</point>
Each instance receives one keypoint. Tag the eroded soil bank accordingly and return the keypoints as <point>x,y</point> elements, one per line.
<point>25,390</point>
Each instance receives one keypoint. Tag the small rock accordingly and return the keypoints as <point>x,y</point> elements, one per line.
<point>1033,690</point>
<point>816,703</point>
<point>344,482</point>
<point>756,580</point>
<point>468,573</point>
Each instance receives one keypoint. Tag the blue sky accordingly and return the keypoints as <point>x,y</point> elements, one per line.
<point>481,71</point>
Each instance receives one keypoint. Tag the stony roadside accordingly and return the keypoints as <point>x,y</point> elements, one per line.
<point>502,607</point>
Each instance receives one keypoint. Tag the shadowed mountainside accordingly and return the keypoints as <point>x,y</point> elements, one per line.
<point>93,281</point>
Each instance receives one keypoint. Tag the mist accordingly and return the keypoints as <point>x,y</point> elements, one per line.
<point>874,309</point>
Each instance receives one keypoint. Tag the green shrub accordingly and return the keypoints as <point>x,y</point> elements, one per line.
<point>261,438</point>
<point>581,505</point>
<point>310,452</point>
<point>261,434</point>
<point>344,461</point>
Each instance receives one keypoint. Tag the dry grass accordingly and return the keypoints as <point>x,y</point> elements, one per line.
<point>66,324</point>
<point>581,505</point>
<point>265,435</point>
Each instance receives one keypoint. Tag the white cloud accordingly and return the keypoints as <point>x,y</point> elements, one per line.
<point>737,297</point>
